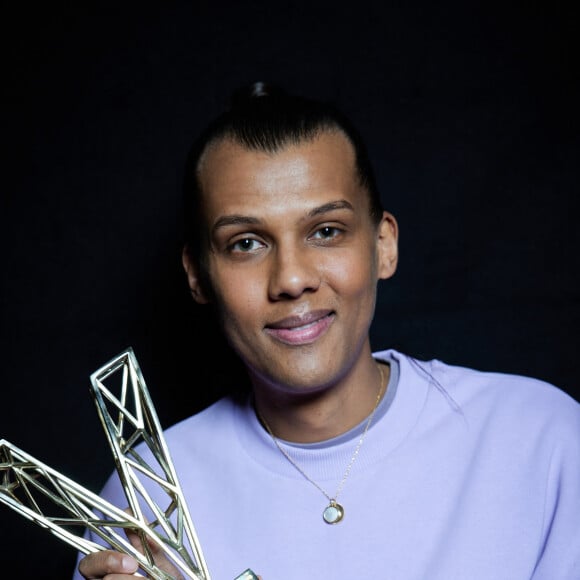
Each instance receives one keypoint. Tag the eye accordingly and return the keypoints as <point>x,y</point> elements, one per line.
<point>327,233</point>
<point>245,245</point>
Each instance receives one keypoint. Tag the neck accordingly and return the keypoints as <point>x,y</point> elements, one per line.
<point>327,414</point>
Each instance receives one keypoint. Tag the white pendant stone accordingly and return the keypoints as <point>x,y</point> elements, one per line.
<point>333,513</point>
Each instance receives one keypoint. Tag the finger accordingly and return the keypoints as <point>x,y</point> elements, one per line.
<point>134,536</point>
<point>100,564</point>
<point>160,557</point>
<point>135,540</point>
<point>156,551</point>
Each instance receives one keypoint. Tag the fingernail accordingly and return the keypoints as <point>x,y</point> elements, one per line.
<point>129,564</point>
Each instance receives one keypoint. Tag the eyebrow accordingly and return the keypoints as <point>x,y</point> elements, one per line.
<point>331,205</point>
<point>237,219</point>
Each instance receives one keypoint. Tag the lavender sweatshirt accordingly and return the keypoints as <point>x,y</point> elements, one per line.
<point>463,475</point>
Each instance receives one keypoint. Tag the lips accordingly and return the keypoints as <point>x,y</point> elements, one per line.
<point>303,329</point>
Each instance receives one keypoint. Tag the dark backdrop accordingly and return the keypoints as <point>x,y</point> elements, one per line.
<point>470,111</point>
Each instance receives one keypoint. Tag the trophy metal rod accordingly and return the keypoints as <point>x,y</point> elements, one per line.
<point>130,419</point>
<point>27,485</point>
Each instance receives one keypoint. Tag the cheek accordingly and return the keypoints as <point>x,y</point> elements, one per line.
<point>353,275</point>
<point>239,298</point>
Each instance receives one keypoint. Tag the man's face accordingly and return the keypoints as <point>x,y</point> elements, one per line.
<point>294,258</point>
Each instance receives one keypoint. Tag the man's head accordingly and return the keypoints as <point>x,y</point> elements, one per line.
<point>265,118</point>
<point>291,244</point>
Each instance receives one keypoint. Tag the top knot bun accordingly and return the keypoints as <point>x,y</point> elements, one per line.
<point>247,95</point>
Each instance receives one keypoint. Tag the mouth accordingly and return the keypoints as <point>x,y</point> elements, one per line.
<point>303,329</point>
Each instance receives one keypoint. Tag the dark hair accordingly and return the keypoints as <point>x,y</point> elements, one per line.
<point>263,117</point>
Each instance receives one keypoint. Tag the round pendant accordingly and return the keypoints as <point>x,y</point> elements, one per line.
<point>333,513</point>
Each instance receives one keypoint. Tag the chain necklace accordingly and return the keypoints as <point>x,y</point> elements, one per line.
<point>333,512</point>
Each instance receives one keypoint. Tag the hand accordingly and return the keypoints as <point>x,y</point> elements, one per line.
<point>112,565</point>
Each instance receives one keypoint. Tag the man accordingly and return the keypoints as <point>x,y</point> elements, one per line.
<point>343,463</point>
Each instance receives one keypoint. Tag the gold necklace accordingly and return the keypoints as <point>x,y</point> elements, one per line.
<point>333,512</point>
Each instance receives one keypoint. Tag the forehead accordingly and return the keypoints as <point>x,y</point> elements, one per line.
<point>325,162</point>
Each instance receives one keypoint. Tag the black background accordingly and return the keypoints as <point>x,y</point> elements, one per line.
<point>470,112</point>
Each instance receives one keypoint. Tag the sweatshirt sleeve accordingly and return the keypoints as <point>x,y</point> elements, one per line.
<point>559,555</point>
<point>114,494</point>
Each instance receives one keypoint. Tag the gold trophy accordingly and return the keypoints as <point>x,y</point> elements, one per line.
<point>128,416</point>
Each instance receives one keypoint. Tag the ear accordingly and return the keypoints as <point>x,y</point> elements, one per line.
<point>387,246</point>
<point>193,277</point>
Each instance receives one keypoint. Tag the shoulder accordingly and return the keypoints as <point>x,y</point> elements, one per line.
<point>518,393</point>
<point>516,400</point>
<point>216,421</point>
<point>198,435</point>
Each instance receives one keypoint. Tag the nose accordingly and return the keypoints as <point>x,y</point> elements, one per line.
<point>293,271</point>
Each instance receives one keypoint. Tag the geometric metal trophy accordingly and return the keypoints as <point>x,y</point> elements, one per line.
<point>128,417</point>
